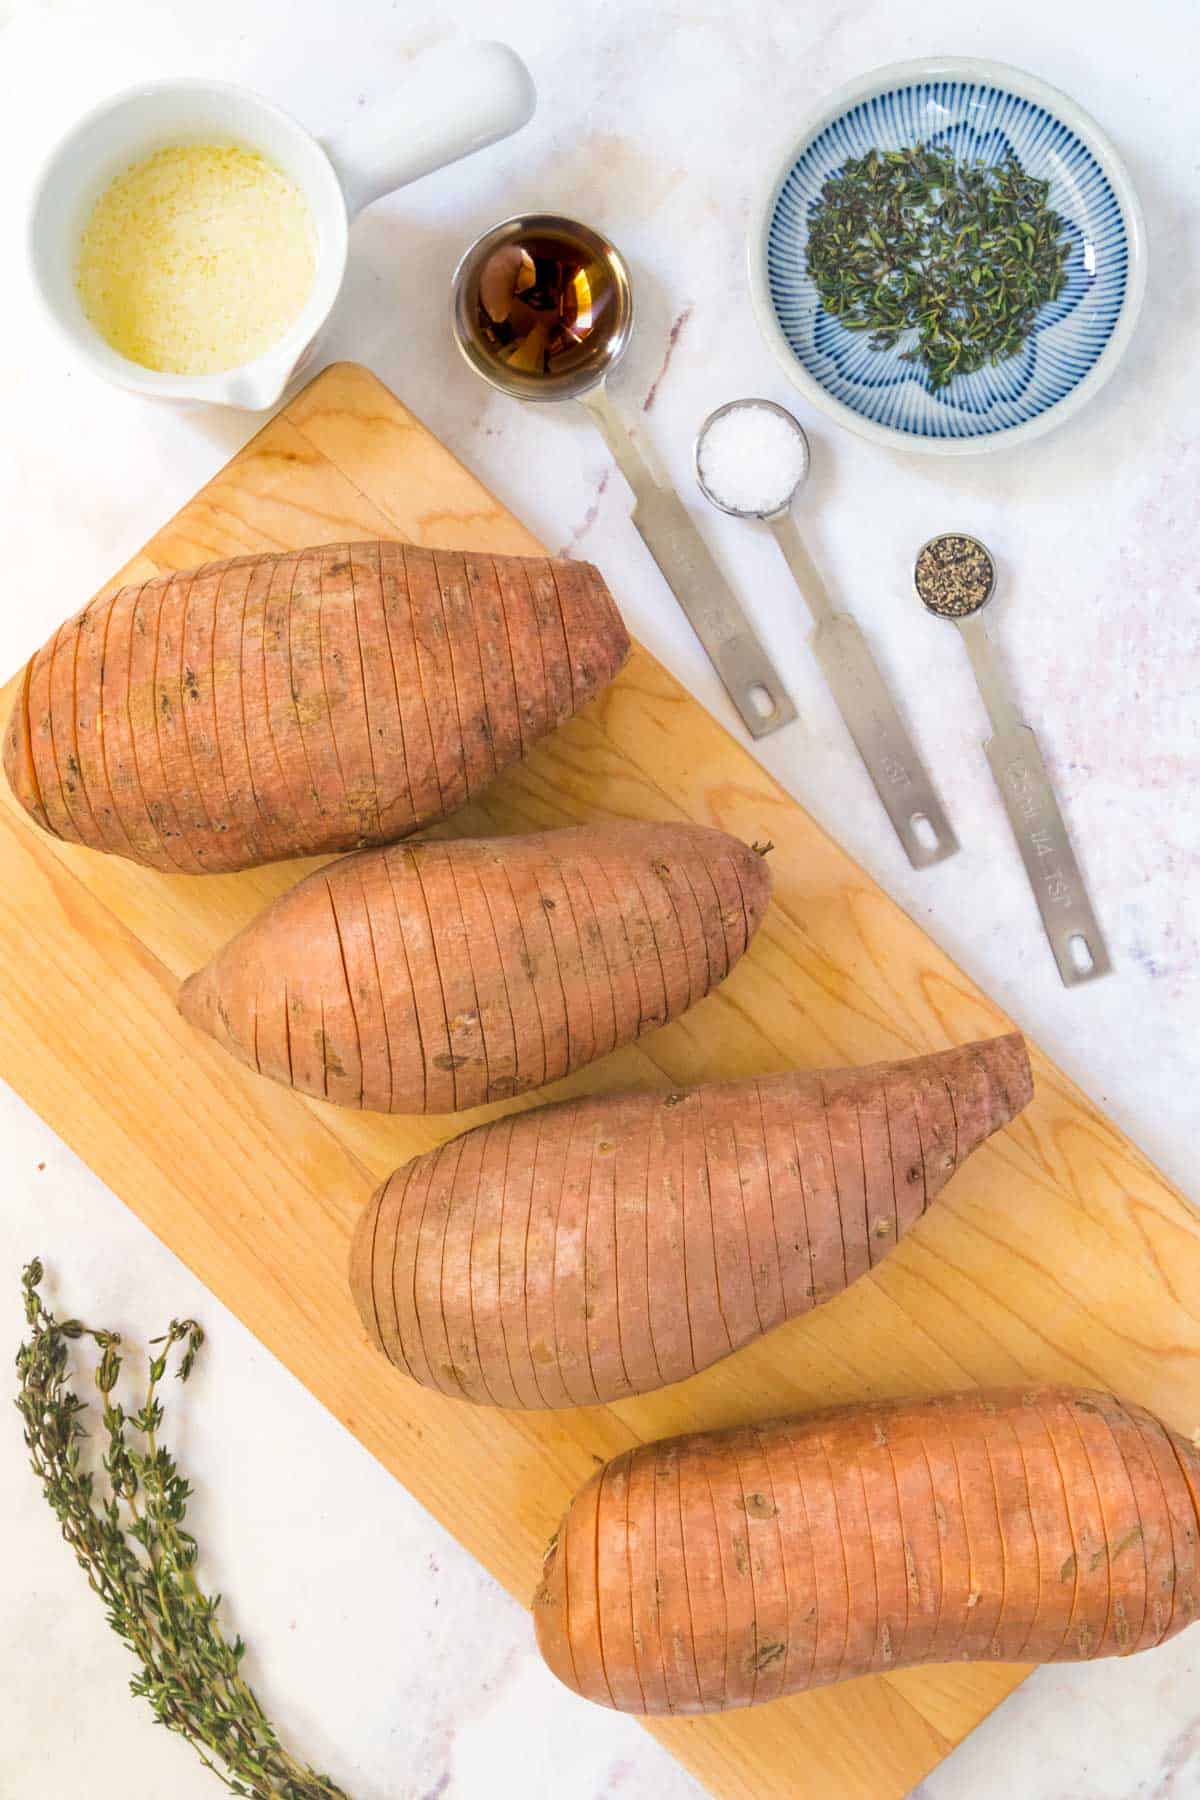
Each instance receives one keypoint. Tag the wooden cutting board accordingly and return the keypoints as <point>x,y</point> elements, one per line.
<point>1057,1252</point>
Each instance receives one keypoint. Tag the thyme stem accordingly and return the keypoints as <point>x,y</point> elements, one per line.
<point>129,1538</point>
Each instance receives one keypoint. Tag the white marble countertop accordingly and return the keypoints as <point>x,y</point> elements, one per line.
<point>391,1657</point>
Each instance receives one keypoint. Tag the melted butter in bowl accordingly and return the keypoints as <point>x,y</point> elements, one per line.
<point>197,259</point>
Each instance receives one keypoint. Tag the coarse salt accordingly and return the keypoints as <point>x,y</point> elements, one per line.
<point>752,458</point>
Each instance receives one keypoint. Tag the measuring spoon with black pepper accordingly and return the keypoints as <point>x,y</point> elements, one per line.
<point>955,578</point>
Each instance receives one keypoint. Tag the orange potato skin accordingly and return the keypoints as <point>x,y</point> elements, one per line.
<point>869,1539</point>
<point>323,700</point>
<point>436,976</point>
<point>652,1234</point>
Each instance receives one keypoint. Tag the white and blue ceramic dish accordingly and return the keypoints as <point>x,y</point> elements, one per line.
<point>978,109</point>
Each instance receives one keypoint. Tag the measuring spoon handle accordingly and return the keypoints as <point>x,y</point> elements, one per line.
<point>870,714</point>
<point>1054,874</point>
<point>712,608</point>
<point>1033,812</point>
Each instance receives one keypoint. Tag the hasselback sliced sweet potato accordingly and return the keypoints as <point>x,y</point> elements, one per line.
<point>275,706</point>
<point>612,1244</point>
<point>435,976</point>
<point>1024,1525</point>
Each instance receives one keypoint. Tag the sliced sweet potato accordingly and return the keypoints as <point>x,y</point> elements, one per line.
<point>326,699</point>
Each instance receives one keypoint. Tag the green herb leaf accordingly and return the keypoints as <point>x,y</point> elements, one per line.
<point>913,240</point>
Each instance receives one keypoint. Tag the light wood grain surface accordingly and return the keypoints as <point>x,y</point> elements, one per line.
<point>1057,1252</point>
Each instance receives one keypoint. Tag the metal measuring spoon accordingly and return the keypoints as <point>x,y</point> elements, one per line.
<point>857,685</point>
<point>955,578</point>
<point>587,354</point>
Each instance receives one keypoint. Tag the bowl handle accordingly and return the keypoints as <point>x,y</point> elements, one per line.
<point>455,101</point>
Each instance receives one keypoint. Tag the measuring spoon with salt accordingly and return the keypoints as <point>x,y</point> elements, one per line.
<point>955,578</point>
<point>751,461</point>
<point>542,308</point>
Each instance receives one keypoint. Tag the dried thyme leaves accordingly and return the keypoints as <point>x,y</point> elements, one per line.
<point>127,1532</point>
<point>963,253</point>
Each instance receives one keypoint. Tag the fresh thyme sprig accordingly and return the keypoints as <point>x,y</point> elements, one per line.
<point>964,254</point>
<point>130,1541</point>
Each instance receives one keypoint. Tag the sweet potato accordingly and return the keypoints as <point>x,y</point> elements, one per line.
<point>1024,1525</point>
<point>275,706</point>
<point>435,976</point>
<point>612,1244</point>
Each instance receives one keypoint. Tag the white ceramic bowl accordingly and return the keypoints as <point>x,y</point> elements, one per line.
<point>453,102</point>
<point>980,109</point>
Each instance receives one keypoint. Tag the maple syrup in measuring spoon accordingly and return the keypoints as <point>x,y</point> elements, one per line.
<point>542,308</point>
<point>542,302</point>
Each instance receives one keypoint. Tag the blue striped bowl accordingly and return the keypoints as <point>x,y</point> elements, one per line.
<point>978,109</point>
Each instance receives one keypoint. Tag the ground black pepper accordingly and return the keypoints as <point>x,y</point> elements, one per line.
<point>954,575</point>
